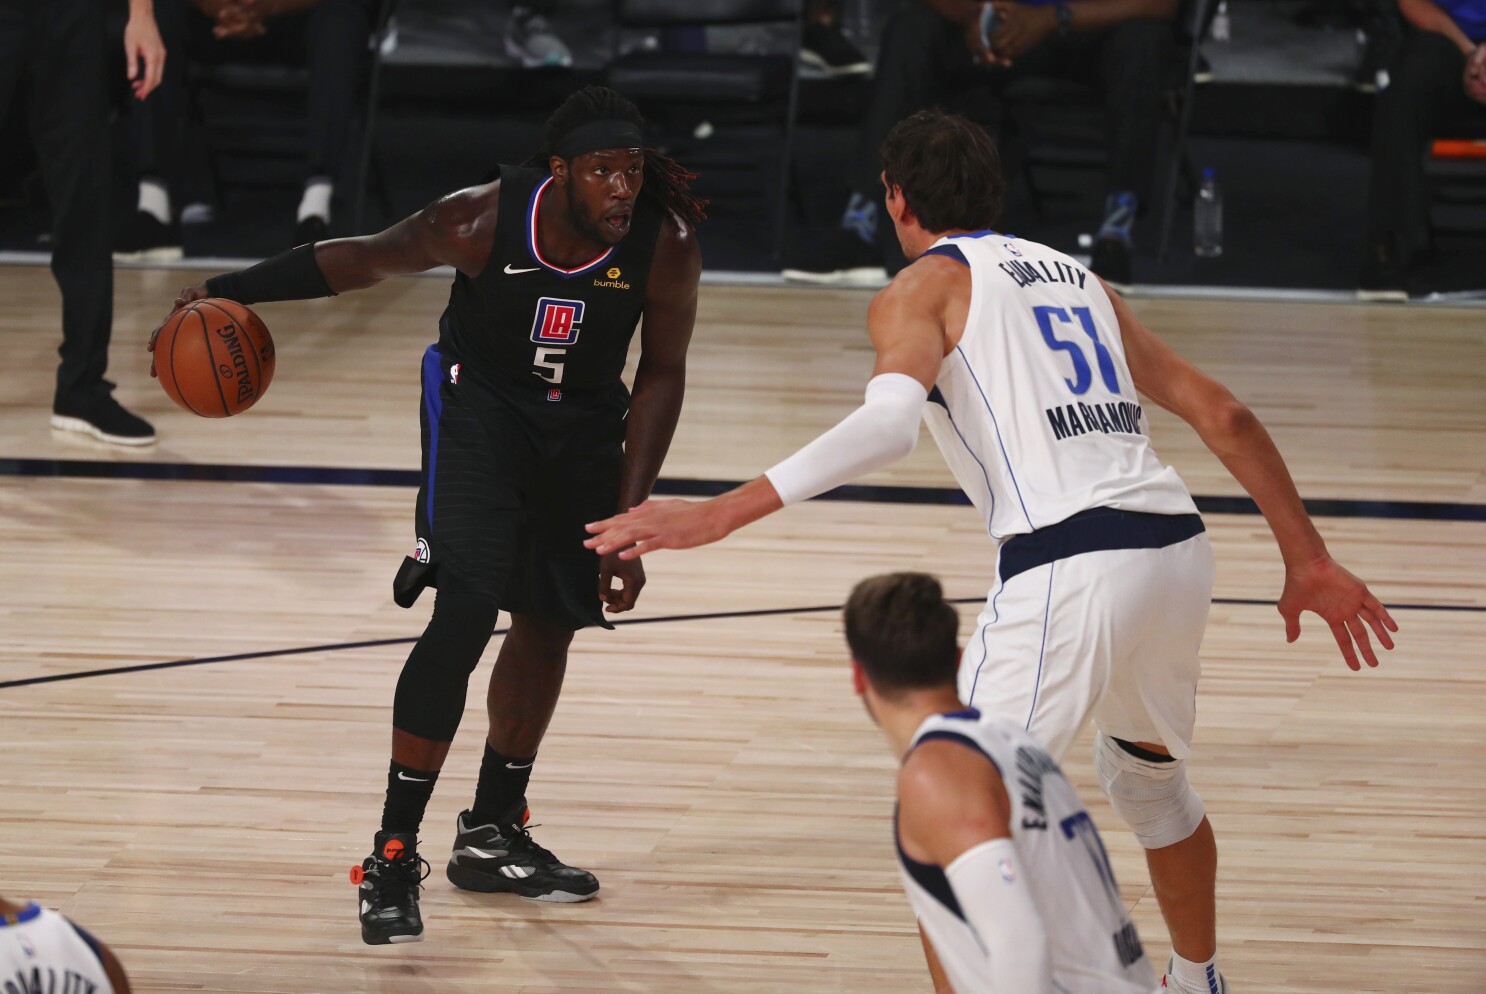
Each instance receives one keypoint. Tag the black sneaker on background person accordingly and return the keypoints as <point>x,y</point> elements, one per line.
<point>834,257</point>
<point>387,888</point>
<point>504,857</point>
<point>311,229</point>
<point>1111,262</point>
<point>825,48</point>
<point>102,417</point>
<point>1114,244</point>
<point>146,239</point>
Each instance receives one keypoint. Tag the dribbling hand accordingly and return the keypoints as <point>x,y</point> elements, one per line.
<point>1343,601</point>
<point>189,295</point>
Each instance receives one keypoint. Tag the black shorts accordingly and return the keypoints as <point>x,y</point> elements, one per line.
<point>511,474</point>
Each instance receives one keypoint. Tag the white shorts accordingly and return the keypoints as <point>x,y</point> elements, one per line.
<point>1113,635</point>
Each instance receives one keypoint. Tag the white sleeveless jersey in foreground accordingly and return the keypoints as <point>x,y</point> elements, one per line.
<point>41,951</point>
<point>1095,948</point>
<point>1035,410</point>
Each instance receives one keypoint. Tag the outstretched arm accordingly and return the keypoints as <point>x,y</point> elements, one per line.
<point>456,230</point>
<point>908,335</point>
<point>659,387</point>
<point>1313,580</point>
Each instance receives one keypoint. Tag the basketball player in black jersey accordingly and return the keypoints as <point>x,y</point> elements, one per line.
<point>528,433</point>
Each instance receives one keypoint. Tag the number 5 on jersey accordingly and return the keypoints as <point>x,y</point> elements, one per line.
<point>556,323</point>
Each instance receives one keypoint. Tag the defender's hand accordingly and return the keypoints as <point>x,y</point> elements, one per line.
<point>188,295</point>
<point>1343,601</point>
<point>657,524</point>
<point>630,573</point>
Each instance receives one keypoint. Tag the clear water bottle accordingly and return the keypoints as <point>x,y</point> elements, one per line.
<point>1207,217</point>
<point>1222,28</point>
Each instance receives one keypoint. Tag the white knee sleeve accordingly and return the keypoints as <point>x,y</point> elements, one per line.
<point>1154,798</point>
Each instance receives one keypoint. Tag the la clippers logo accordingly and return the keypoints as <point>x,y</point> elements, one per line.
<point>556,322</point>
<point>421,553</point>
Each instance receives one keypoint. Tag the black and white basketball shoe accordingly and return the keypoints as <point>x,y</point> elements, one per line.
<point>504,857</point>
<point>388,882</point>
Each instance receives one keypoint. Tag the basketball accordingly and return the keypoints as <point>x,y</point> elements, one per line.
<point>214,357</point>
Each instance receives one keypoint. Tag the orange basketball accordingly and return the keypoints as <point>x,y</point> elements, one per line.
<point>214,357</point>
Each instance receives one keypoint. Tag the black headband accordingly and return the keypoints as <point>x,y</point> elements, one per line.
<point>594,135</point>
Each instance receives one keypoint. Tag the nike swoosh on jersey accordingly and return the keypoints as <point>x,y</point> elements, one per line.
<point>516,272</point>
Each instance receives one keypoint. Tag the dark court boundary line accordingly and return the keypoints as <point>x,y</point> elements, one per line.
<point>671,487</point>
<point>713,615</point>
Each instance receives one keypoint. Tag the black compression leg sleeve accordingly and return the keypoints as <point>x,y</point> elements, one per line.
<point>431,690</point>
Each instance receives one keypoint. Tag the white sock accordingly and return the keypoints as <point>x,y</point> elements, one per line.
<point>1198,978</point>
<point>154,199</point>
<point>316,199</point>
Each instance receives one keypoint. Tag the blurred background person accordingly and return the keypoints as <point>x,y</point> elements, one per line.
<point>1439,76</point>
<point>60,48</point>
<point>933,48</point>
<point>328,37</point>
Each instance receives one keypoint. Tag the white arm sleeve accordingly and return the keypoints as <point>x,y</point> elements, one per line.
<point>882,431</point>
<point>994,894</point>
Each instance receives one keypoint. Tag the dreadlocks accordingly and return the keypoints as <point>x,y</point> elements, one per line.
<point>666,180</point>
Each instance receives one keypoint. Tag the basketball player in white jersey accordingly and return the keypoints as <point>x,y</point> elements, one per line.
<point>1027,368</point>
<point>1005,872</point>
<point>40,950</point>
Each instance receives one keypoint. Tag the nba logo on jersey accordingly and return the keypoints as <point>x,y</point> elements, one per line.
<point>556,322</point>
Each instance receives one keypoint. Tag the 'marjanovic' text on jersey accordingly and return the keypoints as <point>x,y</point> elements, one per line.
<point>528,319</point>
<point>1035,410</point>
<point>1094,945</point>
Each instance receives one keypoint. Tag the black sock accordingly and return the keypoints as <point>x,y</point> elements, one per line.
<point>408,791</point>
<point>503,781</point>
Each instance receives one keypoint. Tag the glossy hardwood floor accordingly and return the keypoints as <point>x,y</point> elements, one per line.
<point>716,773</point>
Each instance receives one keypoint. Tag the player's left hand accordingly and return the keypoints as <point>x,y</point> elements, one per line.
<point>656,524</point>
<point>630,573</point>
<point>1343,601</point>
<point>144,55</point>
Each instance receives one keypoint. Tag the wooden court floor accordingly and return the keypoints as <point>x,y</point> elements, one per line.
<point>714,771</point>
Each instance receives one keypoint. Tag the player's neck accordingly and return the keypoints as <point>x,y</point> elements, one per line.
<point>10,907</point>
<point>916,241</point>
<point>901,718</point>
<point>559,237</point>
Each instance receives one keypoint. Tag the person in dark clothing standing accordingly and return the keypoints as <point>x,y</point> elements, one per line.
<point>527,432</point>
<point>328,37</point>
<point>1439,76</point>
<point>931,48</point>
<point>60,48</point>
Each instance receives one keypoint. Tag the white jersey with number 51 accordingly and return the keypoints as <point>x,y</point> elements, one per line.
<point>1035,410</point>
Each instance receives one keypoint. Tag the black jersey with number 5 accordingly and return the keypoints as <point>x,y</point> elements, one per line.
<point>526,318</point>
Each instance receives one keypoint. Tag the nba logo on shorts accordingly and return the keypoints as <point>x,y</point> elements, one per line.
<point>556,322</point>
<point>454,373</point>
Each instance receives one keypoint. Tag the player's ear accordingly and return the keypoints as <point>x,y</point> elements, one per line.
<point>559,167</point>
<point>858,678</point>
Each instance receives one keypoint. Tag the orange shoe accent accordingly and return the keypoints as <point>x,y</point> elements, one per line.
<point>392,849</point>
<point>525,817</point>
<point>357,875</point>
